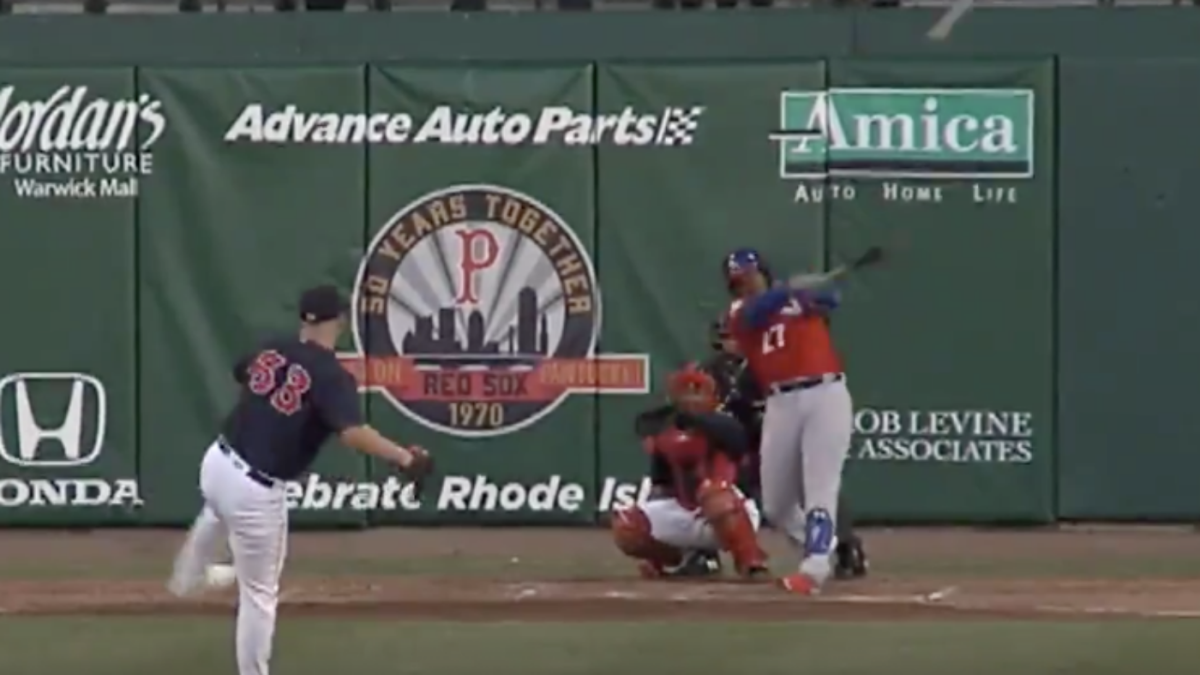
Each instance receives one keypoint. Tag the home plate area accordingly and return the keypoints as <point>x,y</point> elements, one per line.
<point>518,575</point>
<point>477,599</point>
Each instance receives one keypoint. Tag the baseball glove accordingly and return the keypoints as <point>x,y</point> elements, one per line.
<point>419,468</point>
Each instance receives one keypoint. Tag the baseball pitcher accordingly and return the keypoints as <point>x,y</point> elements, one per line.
<point>294,395</point>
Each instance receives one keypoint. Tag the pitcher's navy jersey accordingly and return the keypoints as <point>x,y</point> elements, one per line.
<point>294,396</point>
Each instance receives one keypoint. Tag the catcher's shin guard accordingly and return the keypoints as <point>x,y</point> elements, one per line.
<point>631,533</point>
<point>725,511</point>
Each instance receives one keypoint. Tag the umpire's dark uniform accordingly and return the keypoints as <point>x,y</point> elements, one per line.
<point>743,400</point>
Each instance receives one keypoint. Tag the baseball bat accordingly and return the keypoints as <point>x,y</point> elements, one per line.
<point>800,282</point>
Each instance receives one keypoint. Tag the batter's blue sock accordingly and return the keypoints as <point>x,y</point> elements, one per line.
<point>818,532</point>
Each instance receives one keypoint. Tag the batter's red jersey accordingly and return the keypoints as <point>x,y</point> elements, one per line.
<point>793,345</point>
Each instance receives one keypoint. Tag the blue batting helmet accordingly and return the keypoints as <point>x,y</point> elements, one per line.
<point>744,261</point>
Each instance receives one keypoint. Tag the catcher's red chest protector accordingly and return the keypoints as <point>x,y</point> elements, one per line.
<point>686,452</point>
<point>681,448</point>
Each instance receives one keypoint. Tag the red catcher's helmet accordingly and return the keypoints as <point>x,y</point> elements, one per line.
<point>693,387</point>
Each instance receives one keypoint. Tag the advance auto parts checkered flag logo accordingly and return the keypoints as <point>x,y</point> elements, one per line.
<point>678,126</point>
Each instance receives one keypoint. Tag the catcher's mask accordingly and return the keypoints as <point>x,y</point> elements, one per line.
<point>692,389</point>
<point>741,265</point>
<point>720,337</point>
<point>718,332</point>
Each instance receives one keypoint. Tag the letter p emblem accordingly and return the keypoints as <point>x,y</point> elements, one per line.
<point>480,249</point>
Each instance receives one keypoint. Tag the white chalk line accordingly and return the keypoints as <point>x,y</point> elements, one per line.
<point>907,599</point>
<point>941,594</point>
<point>872,599</point>
<point>943,598</point>
<point>947,597</point>
<point>524,591</point>
<point>1121,611</point>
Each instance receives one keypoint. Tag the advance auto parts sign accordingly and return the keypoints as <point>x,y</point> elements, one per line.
<point>466,494</point>
<point>914,142</point>
<point>669,126</point>
<point>476,312</point>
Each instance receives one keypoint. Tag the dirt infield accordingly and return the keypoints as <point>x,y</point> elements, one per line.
<point>516,595</point>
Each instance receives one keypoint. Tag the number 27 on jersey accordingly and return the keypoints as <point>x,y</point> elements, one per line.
<point>773,338</point>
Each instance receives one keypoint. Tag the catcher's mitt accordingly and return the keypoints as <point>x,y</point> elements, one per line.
<point>419,468</point>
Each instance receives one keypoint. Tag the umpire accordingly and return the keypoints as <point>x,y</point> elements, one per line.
<point>742,399</point>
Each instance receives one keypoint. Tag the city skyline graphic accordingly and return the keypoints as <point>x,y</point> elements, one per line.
<point>437,335</point>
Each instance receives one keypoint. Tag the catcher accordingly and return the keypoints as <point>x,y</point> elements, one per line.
<point>694,502</point>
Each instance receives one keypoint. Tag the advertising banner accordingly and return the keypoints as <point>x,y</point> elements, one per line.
<point>477,306</point>
<point>529,250</point>
<point>254,197</point>
<point>949,345</point>
<point>74,146</point>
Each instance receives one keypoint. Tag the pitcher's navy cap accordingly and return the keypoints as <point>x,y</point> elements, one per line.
<point>322,303</point>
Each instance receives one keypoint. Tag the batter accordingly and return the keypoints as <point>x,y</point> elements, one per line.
<point>784,336</point>
<point>743,400</point>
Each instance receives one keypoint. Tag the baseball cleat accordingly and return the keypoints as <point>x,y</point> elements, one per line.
<point>649,570</point>
<point>800,584</point>
<point>696,564</point>
<point>850,560</point>
<point>180,588</point>
<point>216,577</point>
<point>756,573</point>
<point>219,576</point>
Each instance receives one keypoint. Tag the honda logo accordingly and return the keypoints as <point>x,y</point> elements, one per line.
<point>27,434</point>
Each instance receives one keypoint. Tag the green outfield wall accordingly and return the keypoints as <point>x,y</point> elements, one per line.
<point>542,200</point>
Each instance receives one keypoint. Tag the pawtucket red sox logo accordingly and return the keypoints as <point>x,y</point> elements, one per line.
<point>476,313</point>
